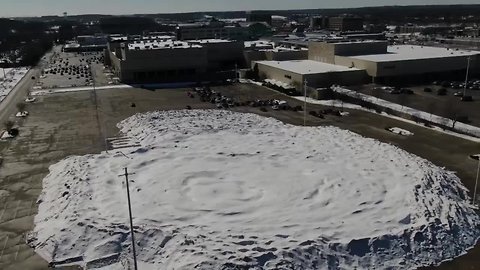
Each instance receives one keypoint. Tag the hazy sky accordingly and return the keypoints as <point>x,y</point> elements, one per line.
<point>11,8</point>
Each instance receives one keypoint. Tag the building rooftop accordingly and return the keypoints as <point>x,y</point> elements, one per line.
<point>306,67</point>
<point>409,52</point>
<point>163,44</point>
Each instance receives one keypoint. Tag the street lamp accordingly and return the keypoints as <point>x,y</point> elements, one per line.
<point>466,78</point>
<point>305,103</point>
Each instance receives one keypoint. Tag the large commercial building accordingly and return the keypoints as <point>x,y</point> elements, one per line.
<point>316,74</point>
<point>398,63</point>
<point>166,60</point>
<point>355,62</point>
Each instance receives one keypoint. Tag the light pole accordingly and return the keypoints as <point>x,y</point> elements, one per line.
<point>466,78</point>
<point>476,181</point>
<point>126,174</point>
<point>305,103</point>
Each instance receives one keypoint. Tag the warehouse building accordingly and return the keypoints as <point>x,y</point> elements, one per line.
<point>166,60</point>
<point>398,63</point>
<point>317,74</point>
<point>355,62</point>
<point>267,51</point>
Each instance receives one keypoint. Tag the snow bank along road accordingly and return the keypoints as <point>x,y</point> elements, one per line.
<point>217,190</point>
<point>465,128</point>
<point>11,79</point>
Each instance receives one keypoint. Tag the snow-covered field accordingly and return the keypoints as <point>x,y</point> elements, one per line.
<point>220,190</point>
<point>8,82</point>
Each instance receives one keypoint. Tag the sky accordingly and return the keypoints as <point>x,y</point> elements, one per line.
<point>17,8</point>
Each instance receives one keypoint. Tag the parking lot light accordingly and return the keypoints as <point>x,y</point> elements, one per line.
<point>466,78</point>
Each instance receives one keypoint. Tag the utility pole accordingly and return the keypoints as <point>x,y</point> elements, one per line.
<point>305,103</point>
<point>126,174</point>
<point>476,182</point>
<point>466,78</point>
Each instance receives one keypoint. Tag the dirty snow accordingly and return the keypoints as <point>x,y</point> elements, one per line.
<point>219,190</point>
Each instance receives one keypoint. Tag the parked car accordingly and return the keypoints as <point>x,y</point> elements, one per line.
<point>458,94</point>
<point>406,91</point>
<point>395,91</point>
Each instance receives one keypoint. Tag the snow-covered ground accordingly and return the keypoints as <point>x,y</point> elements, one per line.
<point>8,82</point>
<point>468,129</point>
<point>218,190</point>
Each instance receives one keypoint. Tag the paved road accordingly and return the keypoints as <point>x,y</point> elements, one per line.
<point>19,92</point>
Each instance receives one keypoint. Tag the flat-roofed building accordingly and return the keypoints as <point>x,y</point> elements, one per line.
<point>152,61</point>
<point>413,63</point>
<point>164,60</point>
<point>385,63</point>
<point>317,74</point>
<point>222,54</point>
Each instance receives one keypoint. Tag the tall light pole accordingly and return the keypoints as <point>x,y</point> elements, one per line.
<point>305,103</point>
<point>466,78</point>
<point>476,181</point>
<point>126,174</point>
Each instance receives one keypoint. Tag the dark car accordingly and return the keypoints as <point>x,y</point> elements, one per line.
<point>467,98</point>
<point>406,91</point>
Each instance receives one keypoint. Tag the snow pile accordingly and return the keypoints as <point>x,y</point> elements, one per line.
<point>223,190</point>
<point>467,129</point>
<point>10,80</point>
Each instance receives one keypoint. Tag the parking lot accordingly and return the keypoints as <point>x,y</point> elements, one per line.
<point>69,69</point>
<point>447,105</point>
<point>66,124</point>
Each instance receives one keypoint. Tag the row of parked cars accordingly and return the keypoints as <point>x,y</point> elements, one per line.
<point>443,92</point>
<point>471,84</point>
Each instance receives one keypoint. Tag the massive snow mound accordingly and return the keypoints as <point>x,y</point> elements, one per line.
<point>223,190</point>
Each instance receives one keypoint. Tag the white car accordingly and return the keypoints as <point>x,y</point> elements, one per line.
<point>30,100</point>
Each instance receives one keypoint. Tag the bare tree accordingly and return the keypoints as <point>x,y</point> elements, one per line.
<point>453,112</point>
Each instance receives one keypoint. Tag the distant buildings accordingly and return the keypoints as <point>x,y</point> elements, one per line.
<point>87,43</point>
<point>211,30</point>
